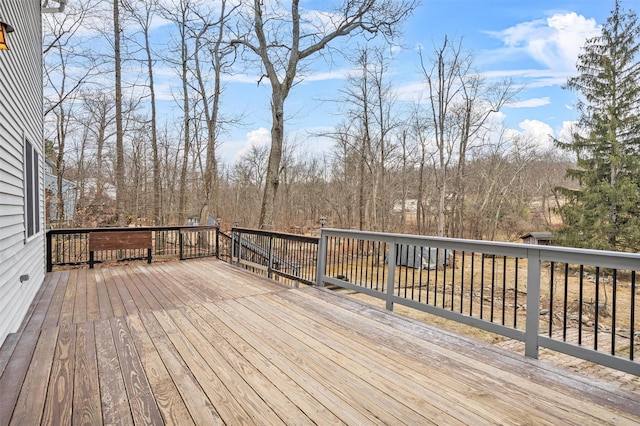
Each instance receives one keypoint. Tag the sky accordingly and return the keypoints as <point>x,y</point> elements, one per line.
<point>535,42</point>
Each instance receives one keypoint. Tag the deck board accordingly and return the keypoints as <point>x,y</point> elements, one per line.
<point>361,356</point>
<point>199,406</point>
<point>230,409</point>
<point>166,394</point>
<point>82,294</point>
<point>55,305</point>
<point>59,400</point>
<point>86,397</point>
<point>202,342</point>
<point>358,381</point>
<point>93,297</point>
<point>551,377</point>
<point>113,397</point>
<point>472,383</point>
<point>303,395</point>
<point>30,403</point>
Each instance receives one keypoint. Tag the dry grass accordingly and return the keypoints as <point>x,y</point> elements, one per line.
<point>493,281</point>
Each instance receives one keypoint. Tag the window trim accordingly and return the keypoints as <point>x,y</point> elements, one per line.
<point>32,188</point>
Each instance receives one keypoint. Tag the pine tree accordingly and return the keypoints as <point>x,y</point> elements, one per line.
<point>604,213</point>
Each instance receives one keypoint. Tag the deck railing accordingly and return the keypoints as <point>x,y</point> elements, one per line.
<point>274,254</point>
<point>578,302</point>
<point>69,247</point>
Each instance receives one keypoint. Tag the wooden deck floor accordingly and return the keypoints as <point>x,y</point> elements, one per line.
<point>201,342</point>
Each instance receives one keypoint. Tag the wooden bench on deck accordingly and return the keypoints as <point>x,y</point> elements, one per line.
<point>119,240</point>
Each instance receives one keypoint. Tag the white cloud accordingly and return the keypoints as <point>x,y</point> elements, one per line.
<point>554,42</point>
<point>341,74</point>
<point>537,132</point>
<point>319,22</point>
<point>535,77</point>
<point>531,103</point>
<point>237,149</point>
<point>568,129</point>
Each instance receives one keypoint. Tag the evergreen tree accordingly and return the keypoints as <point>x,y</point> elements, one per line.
<point>604,213</point>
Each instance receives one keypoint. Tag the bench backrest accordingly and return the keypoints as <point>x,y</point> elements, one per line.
<point>119,240</point>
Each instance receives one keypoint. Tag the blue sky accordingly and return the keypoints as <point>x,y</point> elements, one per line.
<point>535,42</point>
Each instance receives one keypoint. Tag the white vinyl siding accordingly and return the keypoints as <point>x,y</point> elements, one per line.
<point>21,247</point>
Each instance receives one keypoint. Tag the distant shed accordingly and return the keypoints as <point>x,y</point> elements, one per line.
<point>539,238</point>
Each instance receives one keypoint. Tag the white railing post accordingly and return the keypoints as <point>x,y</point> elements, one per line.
<point>391,278</point>
<point>321,264</point>
<point>533,303</point>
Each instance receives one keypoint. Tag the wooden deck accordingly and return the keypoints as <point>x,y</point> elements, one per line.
<point>201,342</point>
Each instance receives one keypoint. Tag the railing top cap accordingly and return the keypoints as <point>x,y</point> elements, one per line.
<point>274,233</point>
<point>516,249</point>
<point>128,229</point>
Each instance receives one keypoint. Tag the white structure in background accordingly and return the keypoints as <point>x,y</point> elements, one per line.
<point>22,230</point>
<point>69,195</point>
<point>410,205</point>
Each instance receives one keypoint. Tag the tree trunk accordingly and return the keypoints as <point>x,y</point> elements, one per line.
<point>120,187</point>
<point>272,180</point>
<point>182,198</point>
<point>60,164</point>
<point>157,216</point>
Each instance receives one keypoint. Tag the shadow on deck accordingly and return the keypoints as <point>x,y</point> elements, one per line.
<point>206,343</point>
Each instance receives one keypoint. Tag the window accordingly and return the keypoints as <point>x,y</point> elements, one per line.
<point>32,190</point>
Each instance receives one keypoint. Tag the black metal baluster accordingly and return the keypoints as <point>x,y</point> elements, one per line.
<point>461,282</point>
<point>613,311</point>
<point>453,278</point>
<point>515,296</point>
<point>435,286</point>
<point>580,295</point>
<point>482,287</point>
<point>444,277</point>
<point>632,336</point>
<point>565,307</point>
<point>473,258</point>
<point>504,289</point>
<point>384,270</point>
<point>426,299</point>
<point>551,275</point>
<point>368,284</point>
<point>597,310</point>
<point>493,283</point>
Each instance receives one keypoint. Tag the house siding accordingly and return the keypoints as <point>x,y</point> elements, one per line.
<point>20,119</point>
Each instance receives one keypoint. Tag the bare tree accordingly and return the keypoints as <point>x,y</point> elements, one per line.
<point>441,73</point>
<point>460,104</point>
<point>180,12</point>
<point>142,12</point>
<point>120,187</point>
<point>345,162</point>
<point>98,120</point>
<point>421,131</point>
<point>371,118</point>
<point>216,49</point>
<point>69,64</point>
<point>282,41</point>
<point>407,153</point>
<point>248,175</point>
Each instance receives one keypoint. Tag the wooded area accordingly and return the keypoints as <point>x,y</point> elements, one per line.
<point>442,166</point>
